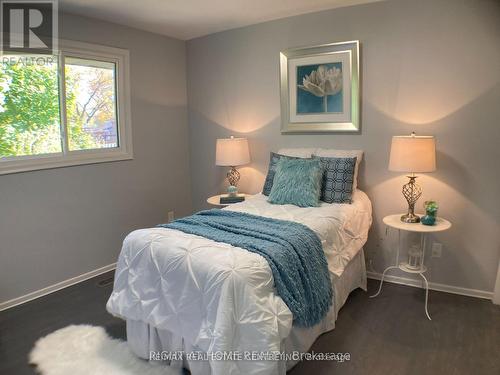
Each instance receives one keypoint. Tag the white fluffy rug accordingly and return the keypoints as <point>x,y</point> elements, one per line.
<point>88,350</point>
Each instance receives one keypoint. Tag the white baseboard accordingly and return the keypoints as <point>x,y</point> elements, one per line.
<point>371,275</point>
<point>54,288</point>
<point>433,286</point>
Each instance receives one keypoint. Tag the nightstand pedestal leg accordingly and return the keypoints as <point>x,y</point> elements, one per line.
<point>426,294</point>
<point>382,280</point>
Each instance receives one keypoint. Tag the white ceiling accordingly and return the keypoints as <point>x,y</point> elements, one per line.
<point>187,19</point>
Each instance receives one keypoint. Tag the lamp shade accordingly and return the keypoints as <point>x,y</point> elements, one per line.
<point>413,154</point>
<point>231,152</point>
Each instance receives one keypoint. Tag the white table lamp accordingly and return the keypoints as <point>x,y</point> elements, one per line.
<point>232,152</point>
<point>413,154</point>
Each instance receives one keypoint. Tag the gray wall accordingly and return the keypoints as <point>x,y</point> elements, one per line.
<point>427,66</point>
<point>60,223</point>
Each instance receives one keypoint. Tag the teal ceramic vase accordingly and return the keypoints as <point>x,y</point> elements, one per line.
<point>429,218</point>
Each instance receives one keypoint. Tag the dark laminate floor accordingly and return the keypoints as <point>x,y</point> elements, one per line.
<point>386,335</point>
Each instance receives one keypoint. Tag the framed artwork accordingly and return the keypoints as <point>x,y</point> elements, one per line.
<point>320,89</point>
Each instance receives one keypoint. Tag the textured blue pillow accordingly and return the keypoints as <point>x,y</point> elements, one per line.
<point>337,181</point>
<point>298,182</point>
<point>273,161</point>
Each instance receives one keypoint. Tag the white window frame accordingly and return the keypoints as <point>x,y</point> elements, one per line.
<point>66,158</point>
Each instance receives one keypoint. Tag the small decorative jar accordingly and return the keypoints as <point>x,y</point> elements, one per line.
<point>431,208</point>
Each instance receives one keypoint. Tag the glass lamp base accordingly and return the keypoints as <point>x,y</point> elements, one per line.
<point>232,191</point>
<point>410,218</point>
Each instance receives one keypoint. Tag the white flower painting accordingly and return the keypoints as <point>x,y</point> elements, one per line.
<point>321,88</point>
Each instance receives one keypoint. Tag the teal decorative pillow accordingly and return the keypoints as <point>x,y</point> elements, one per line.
<point>273,161</point>
<point>337,181</point>
<point>298,182</point>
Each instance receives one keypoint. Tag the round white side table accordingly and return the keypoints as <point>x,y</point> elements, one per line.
<point>215,200</point>
<point>394,221</point>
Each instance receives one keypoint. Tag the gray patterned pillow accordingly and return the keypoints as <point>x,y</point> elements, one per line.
<point>273,161</point>
<point>338,177</point>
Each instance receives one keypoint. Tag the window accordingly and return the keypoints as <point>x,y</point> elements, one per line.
<point>64,110</point>
<point>90,104</point>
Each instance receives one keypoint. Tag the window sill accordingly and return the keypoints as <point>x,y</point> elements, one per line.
<point>59,161</point>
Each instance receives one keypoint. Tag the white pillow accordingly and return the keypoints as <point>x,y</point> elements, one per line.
<point>331,153</point>
<point>297,152</point>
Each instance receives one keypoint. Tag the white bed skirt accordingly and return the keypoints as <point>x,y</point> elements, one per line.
<point>144,339</point>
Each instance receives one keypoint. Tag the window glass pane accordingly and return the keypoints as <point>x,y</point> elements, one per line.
<point>90,104</point>
<point>29,106</point>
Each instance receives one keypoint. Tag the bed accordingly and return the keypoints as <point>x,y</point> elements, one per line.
<point>181,293</point>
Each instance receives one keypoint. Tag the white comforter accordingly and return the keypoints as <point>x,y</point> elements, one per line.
<point>221,298</point>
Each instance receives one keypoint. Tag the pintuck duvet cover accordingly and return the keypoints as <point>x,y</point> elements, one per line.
<point>220,298</point>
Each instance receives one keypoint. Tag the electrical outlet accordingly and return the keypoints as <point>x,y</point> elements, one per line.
<point>437,249</point>
<point>170,216</point>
